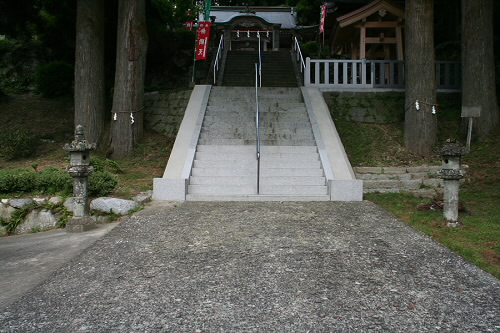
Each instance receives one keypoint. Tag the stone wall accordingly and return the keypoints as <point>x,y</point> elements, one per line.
<point>164,110</point>
<point>366,107</point>
<point>423,181</point>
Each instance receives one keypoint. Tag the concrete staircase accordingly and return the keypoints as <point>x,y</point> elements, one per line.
<point>277,69</point>
<point>225,162</point>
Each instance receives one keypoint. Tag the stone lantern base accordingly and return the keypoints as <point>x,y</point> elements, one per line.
<point>81,224</point>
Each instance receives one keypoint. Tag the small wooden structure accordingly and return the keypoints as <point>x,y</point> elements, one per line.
<point>374,31</point>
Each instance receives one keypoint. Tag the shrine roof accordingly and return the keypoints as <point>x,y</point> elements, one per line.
<point>286,16</point>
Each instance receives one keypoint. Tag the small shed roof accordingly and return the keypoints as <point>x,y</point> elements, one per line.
<point>286,16</point>
<point>370,9</point>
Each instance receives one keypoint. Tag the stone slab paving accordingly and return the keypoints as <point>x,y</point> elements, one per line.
<point>262,267</point>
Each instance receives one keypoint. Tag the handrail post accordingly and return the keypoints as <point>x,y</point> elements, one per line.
<point>257,125</point>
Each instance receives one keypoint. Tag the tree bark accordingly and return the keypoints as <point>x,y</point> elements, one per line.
<point>478,67</point>
<point>132,42</point>
<point>420,133</point>
<point>89,69</point>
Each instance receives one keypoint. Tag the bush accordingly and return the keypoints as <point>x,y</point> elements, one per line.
<point>310,49</point>
<point>17,180</point>
<point>17,143</point>
<point>54,79</point>
<point>101,183</point>
<point>53,180</point>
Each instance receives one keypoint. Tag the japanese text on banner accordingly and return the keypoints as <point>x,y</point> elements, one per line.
<point>203,38</point>
<point>322,20</point>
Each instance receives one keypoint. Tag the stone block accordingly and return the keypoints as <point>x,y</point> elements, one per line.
<point>413,184</point>
<point>38,218</point>
<point>81,224</point>
<point>113,205</point>
<point>6,211</point>
<point>20,203</point>
<point>56,200</point>
<point>383,184</point>
<point>368,170</point>
<point>346,190</point>
<point>394,170</point>
<point>419,169</point>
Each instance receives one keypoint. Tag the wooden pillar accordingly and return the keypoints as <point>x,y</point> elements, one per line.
<point>362,42</point>
<point>399,43</point>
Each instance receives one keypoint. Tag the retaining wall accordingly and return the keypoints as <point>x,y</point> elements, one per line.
<point>422,181</point>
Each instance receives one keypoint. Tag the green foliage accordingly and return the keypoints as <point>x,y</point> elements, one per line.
<point>17,218</point>
<point>17,180</point>
<point>54,79</point>
<point>104,164</point>
<point>17,143</point>
<point>17,59</point>
<point>310,49</point>
<point>101,183</point>
<point>52,181</point>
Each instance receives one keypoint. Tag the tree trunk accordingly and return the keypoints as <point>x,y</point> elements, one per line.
<point>89,68</point>
<point>132,42</point>
<point>420,133</point>
<point>478,67</point>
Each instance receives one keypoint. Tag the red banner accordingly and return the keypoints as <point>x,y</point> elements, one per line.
<point>189,25</point>
<point>322,20</point>
<point>203,38</point>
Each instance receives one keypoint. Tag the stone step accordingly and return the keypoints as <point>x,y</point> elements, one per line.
<point>222,189</point>
<point>292,180</point>
<point>223,180</point>
<point>293,189</point>
<point>276,142</point>
<point>256,197</point>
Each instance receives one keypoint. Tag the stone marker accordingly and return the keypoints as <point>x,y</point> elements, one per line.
<point>451,173</point>
<point>80,170</point>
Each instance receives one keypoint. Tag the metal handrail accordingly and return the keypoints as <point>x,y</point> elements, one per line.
<point>218,58</point>
<point>260,62</point>
<point>296,48</point>
<point>257,124</point>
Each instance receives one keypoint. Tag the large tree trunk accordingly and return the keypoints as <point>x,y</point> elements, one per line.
<point>420,133</point>
<point>478,67</point>
<point>132,42</point>
<point>89,68</point>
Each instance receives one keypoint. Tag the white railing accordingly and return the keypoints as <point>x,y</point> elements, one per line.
<point>298,52</point>
<point>218,58</point>
<point>372,74</point>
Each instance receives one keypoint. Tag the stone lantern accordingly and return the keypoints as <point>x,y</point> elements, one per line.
<point>80,170</point>
<point>451,173</point>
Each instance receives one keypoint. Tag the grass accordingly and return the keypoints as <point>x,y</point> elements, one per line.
<point>477,239</point>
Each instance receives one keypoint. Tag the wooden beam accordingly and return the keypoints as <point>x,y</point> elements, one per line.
<point>378,40</point>
<point>378,24</point>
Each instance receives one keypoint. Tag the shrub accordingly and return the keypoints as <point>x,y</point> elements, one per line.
<point>54,79</point>
<point>53,180</point>
<point>101,183</point>
<point>17,143</point>
<point>104,164</point>
<point>310,49</point>
<point>17,180</point>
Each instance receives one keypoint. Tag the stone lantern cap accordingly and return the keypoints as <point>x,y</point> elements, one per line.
<point>79,144</point>
<point>451,148</point>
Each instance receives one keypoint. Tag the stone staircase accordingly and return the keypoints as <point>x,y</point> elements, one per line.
<point>277,69</point>
<point>225,162</point>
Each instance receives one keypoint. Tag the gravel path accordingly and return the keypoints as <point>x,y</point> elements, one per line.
<point>262,267</point>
